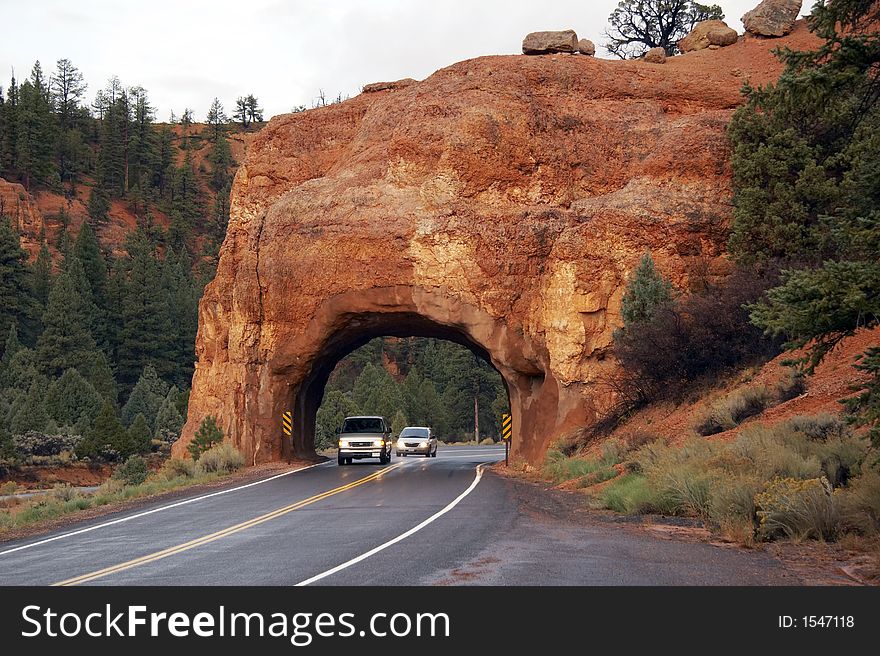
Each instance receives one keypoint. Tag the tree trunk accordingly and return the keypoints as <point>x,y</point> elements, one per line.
<point>476,418</point>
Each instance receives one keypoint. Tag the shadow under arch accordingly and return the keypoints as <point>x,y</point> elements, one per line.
<point>345,322</point>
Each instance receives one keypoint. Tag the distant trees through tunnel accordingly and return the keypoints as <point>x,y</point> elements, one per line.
<point>414,381</point>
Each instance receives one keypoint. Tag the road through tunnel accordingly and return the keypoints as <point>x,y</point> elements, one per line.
<point>402,314</point>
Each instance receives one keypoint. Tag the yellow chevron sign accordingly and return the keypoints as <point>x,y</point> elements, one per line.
<point>506,427</point>
<point>287,422</point>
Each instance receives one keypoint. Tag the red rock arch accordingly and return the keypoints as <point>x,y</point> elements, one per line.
<point>502,203</point>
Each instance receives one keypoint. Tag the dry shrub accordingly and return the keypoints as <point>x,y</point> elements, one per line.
<point>221,458</point>
<point>700,335</point>
<point>860,504</point>
<point>730,411</point>
<point>797,509</point>
<point>791,386</point>
<point>177,467</point>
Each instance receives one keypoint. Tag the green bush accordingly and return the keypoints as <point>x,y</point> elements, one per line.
<point>566,469</point>
<point>220,459</point>
<point>631,494</point>
<point>132,472</point>
<point>207,435</point>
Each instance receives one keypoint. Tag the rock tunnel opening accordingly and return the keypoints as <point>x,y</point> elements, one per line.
<point>357,331</point>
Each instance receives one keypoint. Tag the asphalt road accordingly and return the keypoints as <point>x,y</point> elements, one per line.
<point>416,521</point>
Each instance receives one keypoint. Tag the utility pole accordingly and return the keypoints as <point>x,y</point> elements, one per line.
<point>477,417</point>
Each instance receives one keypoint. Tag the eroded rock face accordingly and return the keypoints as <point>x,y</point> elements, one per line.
<point>772,17</point>
<point>503,203</point>
<point>18,206</point>
<point>543,43</point>
<point>708,33</point>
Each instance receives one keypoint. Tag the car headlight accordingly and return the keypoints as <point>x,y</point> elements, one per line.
<point>379,443</point>
<point>343,443</point>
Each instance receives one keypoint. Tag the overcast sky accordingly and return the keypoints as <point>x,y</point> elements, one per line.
<point>185,52</point>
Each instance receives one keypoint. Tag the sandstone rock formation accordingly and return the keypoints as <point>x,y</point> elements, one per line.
<point>385,86</point>
<point>18,206</point>
<point>502,203</point>
<point>655,56</point>
<point>586,47</point>
<point>542,43</point>
<point>772,17</point>
<point>708,33</point>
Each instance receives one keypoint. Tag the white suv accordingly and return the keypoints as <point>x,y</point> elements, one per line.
<point>416,439</point>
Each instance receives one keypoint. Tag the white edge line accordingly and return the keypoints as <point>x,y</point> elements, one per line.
<point>88,529</point>
<point>402,536</point>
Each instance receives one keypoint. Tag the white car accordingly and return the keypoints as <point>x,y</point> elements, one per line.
<point>418,440</point>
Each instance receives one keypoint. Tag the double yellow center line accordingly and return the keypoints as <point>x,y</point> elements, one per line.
<point>192,544</point>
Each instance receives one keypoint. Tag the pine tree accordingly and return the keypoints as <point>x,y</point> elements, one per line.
<point>806,170</point>
<point>115,132</point>
<point>107,437</point>
<point>36,131</point>
<point>163,172</point>
<point>71,397</point>
<point>94,272</point>
<point>17,304</point>
<point>100,376</point>
<point>241,112</point>
<point>94,314</point>
<point>207,435</point>
<point>217,119</point>
<point>140,435</point>
<point>254,111</point>
<point>42,277</point>
<point>20,371</point>
<point>220,159</point>
<point>147,334</point>
<point>29,413</point>
<point>169,421</point>
<point>10,347</point>
<point>68,89</point>
<point>646,292</point>
<point>9,137</point>
<point>99,203</point>
<point>66,342</point>
<point>399,422</point>
<point>146,398</point>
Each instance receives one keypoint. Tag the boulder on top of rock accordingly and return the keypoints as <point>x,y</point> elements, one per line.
<point>656,56</point>
<point>586,47</point>
<point>542,43</point>
<point>384,86</point>
<point>708,33</point>
<point>772,17</point>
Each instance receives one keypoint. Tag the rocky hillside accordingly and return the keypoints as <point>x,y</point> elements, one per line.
<point>38,214</point>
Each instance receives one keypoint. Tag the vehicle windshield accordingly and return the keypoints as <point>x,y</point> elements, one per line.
<point>362,425</point>
<point>414,432</point>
